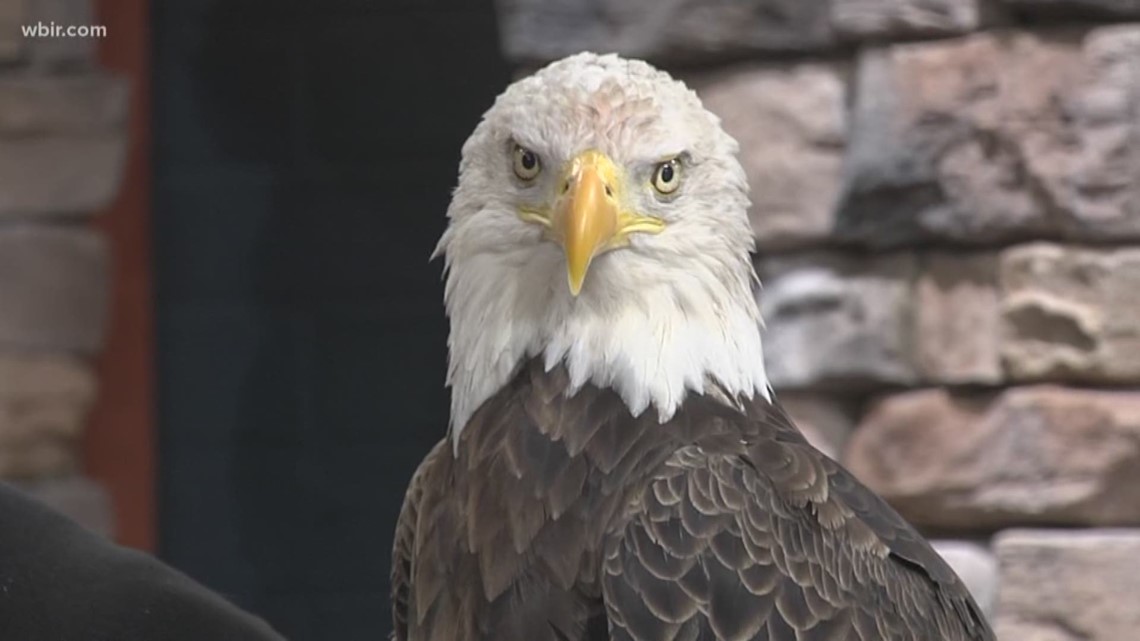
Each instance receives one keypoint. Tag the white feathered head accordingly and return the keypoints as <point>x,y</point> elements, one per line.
<point>601,221</point>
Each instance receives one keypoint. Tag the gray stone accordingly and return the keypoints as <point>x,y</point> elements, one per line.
<point>958,324</point>
<point>996,137</point>
<point>1071,313</point>
<point>973,461</point>
<point>1077,8</point>
<point>683,30</point>
<point>11,38</point>
<point>59,175</point>
<point>791,126</point>
<point>80,499</point>
<point>860,19</point>
<point>61,51</point>
<point>977,568</point>
<point>1065,585</point>
<point>80,104</point>
<point>826,421</point>
<point>53,284</point>
<point>835,320</point>
<point>44,403</point>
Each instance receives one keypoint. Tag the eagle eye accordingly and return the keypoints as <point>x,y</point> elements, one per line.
<point>527,164</point>
<point>667,176</point>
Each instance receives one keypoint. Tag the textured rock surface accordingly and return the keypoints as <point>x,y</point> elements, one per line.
<point>1038,454</point>
<point>538,30</point>
<point>825,421</point>
<point>37,105</point>
<point>977,568</point>
<point>1071,313</point>
<point>792,129</point>
<point>78,498</point>
<point>53,283</point>
<point>837,320</point>
<point>1063,585</point>
<point>59,174</point>
<point>899,18</point>
<point>44,402</point>
<point>957,322</point>
<point>995,137</point>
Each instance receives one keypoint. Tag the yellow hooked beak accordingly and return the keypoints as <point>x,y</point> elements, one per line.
<point>588,219</point>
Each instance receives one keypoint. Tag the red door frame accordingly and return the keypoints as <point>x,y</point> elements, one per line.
<point>119,444</point>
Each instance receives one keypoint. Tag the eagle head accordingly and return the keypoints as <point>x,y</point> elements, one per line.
<point>600,222</point>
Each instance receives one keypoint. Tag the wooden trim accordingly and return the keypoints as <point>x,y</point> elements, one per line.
<point>119,444</point>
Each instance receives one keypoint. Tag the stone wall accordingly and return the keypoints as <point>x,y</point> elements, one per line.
<point>61,152</point>
<point>946,200</point>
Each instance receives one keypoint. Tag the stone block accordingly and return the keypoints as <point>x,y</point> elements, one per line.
<point>11,38</point>
<point>980,462</point>
<point>76,497</point>
<point>996,137</point>
<point>791,124</point>
<point>59,175</point>
<point>73,104</point>
<point>1066,585</point>
<point>684,30</point>
<point>826,421</point>
<point>44,403</point>
<point>957,319</point>
<point>837,320</point>
<point>1071,313</point>
<point>886,19</point>
<point>53,288</point>
<point>976,566</point>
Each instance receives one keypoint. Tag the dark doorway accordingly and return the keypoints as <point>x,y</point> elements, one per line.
<point>305,153</point>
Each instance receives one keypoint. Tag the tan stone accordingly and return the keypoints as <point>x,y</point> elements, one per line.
<point>682,30</point>
<point>896,18</point>
<point>957,324</point>
<point>1039,454</point>
<point>11,39</point>
<point>994,137</point>
<point>791,126</point>
<point>53,286</point>
<point>826,421</point>
<point>837,320</point>
<point>1071,313</point>
<point>59,175</point>
<point>37,105</point>
<point>1066,585</point>
<point>44,403</point>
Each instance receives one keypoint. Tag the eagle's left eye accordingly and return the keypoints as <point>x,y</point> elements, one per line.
<point>667,177</point>
<point>527,164</point>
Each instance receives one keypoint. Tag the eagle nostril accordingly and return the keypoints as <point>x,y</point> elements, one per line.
<point>609,191</point>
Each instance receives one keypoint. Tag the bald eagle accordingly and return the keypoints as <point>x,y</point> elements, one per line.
<point>617,466</point>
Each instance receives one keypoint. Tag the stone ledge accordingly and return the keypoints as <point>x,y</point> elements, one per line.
<point>1066,584</point>
<point>983,461</point>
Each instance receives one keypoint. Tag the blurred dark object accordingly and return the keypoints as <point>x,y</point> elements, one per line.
<point>305,154</point>
<point>62,581</point>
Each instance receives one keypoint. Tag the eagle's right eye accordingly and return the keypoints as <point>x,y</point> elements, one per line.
<point>527,165</point>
